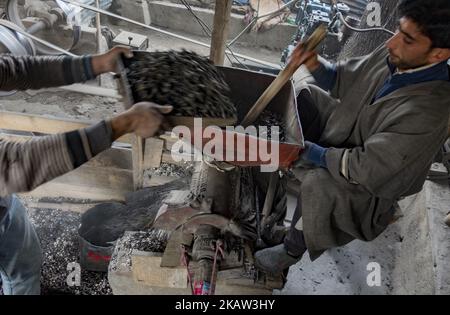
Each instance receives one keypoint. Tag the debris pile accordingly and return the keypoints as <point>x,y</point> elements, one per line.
<point>57,231</point>
<point>147,241</point>
<point>271,119</point>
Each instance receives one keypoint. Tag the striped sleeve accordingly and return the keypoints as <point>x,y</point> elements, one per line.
<point>26,165</point>
<point>31,72</point>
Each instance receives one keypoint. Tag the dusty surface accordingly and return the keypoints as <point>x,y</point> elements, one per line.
<point>412,255</point>
<point>57,231</point>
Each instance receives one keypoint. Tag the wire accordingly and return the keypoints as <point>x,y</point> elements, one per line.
<point>361,30</point>
<point>271,65</point>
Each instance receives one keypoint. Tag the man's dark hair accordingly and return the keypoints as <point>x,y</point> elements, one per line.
<point>433,18</point>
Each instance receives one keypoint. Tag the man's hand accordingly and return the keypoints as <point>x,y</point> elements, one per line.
<point>107,62</point>
<point>144,119</point>
<point>302,56</point>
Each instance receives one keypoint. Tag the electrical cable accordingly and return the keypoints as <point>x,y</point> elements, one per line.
<point>362,30</point>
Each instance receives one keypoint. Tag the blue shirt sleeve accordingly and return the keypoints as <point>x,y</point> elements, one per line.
<point>316,154</point>
<point>325,75</point>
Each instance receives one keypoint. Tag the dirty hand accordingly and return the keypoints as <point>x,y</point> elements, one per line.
<point>302,56</point>
<point>107,62</point>
<point>144,119</point>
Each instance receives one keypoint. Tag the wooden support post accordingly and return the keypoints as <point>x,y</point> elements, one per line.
<point>220,31</point>
<point>138,163</point>
<point>98,36</point>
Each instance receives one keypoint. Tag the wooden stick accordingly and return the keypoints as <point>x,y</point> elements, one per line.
<point>220,31</point>
<point>284,76</point>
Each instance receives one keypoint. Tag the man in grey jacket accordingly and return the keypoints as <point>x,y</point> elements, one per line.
<point>24,166</point>
<point>373,125</point>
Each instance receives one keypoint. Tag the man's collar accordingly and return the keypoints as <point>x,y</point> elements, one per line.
<point>394,70</point>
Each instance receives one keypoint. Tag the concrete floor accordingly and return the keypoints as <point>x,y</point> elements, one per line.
<point>412,255</point>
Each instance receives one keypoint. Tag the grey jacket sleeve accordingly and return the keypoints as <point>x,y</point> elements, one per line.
<point>28,72</point>
<point>325,75</point>
<point>24,166</point>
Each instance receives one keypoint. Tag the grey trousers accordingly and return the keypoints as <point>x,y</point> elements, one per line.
<point>311,121</point>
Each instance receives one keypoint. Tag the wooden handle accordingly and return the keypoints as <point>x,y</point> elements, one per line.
<point>313,41</point>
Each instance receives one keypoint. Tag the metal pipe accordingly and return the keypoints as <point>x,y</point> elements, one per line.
<point>39,26</point>
<point>166,32</point>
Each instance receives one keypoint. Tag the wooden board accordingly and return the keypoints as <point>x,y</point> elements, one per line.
<point>146,270</point>
<point>220,31</point>
<point>153,153</point>
<point>87,182</point>
<point>46,125</point>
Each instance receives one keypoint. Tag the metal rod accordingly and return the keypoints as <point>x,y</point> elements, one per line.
<point>166,32</point>
<point>39,26</point>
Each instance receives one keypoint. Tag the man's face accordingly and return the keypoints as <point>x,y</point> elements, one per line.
<point>409,48</point>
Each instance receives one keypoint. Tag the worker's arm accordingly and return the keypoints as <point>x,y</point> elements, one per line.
<point>339,77</point>
<point>29,72</point>
<point>24,166</point>
<point>325,74</point>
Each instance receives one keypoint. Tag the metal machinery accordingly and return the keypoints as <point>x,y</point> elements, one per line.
<point>311,14</point>
<point>48,20</point>
<point>233,209</point>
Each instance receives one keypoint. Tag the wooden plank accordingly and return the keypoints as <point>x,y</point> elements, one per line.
<point>91,183</point>
<point>220,31</point>
<point>46,125</point>
<point>92,90</point>
<point>285,75</point>
<point>153,153</point>
<point>138,162</point>
<point>146,270</point>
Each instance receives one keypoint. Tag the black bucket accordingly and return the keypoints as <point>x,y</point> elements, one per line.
<point>95,239</point>
<point>94,258</point>
<point>102,225</point>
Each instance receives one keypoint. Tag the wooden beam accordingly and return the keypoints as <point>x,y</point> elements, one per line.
<point>96,184</point>
<point>146,270</point>
<point>153,153</point>
<point>91,90</point>
<point>220,31</point>
<point>46,125</point>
